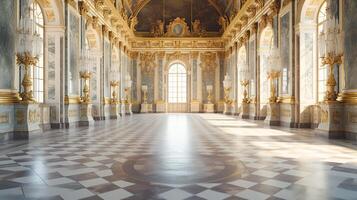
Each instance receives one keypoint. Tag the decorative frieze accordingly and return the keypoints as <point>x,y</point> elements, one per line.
<point>208,61</point>
<point>83,8</point>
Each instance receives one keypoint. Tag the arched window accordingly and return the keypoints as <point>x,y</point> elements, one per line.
<point>177,84</point>
<point>38,70</point>
<point>321,19</point>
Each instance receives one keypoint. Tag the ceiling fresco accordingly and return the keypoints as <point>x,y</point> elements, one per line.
<point>148,12</point>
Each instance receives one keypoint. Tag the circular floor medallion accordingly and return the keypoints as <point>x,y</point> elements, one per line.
<point>179,169</point>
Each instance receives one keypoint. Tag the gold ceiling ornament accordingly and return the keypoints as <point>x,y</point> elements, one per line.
<point>113,21</point>
<point>221,55</point>
<point>254,28</point>
<point>246,36</point>
<point>83,8</point>
<point>71,3</point>
<point>275,7</point>
<point>177,55</point>
<point>104,30</point>
<point>147,62</point>
<point>98,4</point>
<point>157,30</point>
<point>133,22</point>
<point>244,20</point>
<point>134,54</point>
<point>252,10</point>
<point>106,13</point>
<point>223,22</point>
<point>259,3</point>
<point>238,26</point>
<point>161,54</point>
<point>197,28</point>
<point>111,36</point>
<point>208,61</point>
<point>194,55</point>
<point>178,28</point>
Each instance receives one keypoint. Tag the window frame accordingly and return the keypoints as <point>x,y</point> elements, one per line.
<point>177,83</point>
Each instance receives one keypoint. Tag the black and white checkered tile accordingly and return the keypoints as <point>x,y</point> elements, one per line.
<point>278,163</point>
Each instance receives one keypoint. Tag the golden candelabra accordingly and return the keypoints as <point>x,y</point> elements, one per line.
<point>145,96</point>
<point>209,96</point>
<point>227,91</point>
<point>272,76</point>
<point>127,95</point>
<point>331,60</point>
<point>27,60</point>
<point>114,85</point>
<point>245,84</point>
<point>86,76</point>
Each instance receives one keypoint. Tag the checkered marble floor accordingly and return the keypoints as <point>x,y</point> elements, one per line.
<point>178,156</point>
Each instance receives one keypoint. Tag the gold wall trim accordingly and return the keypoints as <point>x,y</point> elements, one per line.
<point>347,97</point>
<point>72,100</point>
<point>9,97</point>
<point>287,99</point>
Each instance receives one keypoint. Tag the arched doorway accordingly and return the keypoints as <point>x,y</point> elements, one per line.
<point>312,15</point>
<point>177,88</point>
<point>266,42</point>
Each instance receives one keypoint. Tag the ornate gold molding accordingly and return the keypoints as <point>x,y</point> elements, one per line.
<point>72,100</point>
<point>208,61</point>
<point>83,8</point>
<point>9,97</point>
<point>147,62</point>
<point>286,99</point>
<point>347,97</point>
<point>71,3</point>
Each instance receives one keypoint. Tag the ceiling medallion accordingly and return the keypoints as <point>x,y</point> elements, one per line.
<point>178,28</point>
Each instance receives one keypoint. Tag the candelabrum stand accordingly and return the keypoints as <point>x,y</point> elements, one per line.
<point>330,108</point>
<point>126,105</point>
<point>330,60</point>
<point>273,76</point>
<point>27,112</point>
<point>244,114</point>
<point>27,61</point>
<point>209,106</point>
<point>145,106</point>
<point>86,117</point>
<point>227,101</point>
<point>114,103</point>
<point>273,108</point>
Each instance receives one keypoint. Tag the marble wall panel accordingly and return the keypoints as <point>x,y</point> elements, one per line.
<point>74,48</point>
<point>350,43</point>
<point>285,53</point>
<point>51,81</point>
<point>7,43</point>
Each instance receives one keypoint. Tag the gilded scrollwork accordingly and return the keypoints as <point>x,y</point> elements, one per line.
<point>208,61</point>
<point>147,62</point>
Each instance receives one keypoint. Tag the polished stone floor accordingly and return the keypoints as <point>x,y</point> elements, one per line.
<point>178,156</point>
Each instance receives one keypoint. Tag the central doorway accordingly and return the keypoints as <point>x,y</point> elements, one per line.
<point>177,88</point>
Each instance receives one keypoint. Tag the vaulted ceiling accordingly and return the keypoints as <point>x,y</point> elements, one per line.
<point>149,11</point>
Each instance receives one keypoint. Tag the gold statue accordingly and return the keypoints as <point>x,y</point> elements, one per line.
<point>196,26</point>
<point>133,23</point>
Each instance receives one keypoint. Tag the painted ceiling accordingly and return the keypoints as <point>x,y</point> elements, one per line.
<point>149,11</point>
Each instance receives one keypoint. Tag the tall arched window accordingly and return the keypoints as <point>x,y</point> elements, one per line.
<point>321,19</point>
<point>177,84</point>
<point>38,70</point>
